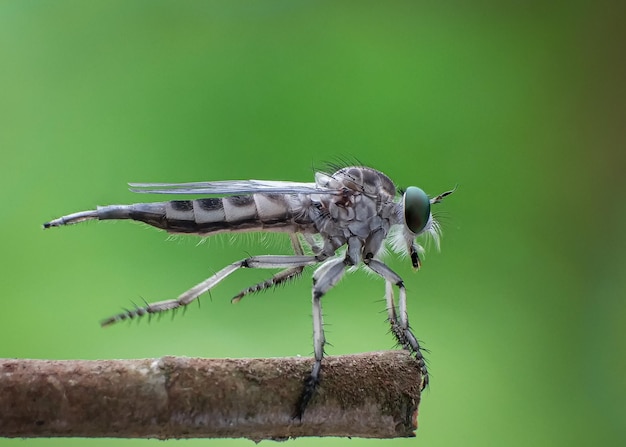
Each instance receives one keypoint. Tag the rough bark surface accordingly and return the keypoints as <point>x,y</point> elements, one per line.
<point>372,395</point>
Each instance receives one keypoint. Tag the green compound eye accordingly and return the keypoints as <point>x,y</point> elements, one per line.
<point>416,209</point>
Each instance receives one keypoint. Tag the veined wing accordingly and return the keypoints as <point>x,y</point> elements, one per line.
<point>228,187</point>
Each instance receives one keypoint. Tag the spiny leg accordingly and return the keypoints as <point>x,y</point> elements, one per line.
<point>392,312</point>
<point>263,262</point>
<point>324,279</point>
<point>391,303</point>
<point>279,277</point>
<point>399,321</point>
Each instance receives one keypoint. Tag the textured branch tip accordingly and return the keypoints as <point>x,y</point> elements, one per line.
<point>372,395</point>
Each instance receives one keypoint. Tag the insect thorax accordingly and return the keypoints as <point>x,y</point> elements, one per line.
<point>366,205</point>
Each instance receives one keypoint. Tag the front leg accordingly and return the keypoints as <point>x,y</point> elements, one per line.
<point>399,320</point>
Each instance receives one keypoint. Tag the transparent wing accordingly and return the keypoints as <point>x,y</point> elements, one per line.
<point>231,187</point>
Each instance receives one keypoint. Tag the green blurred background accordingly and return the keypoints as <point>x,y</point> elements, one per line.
<point>520,103</point>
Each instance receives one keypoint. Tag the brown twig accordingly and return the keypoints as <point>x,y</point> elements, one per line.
<point>373,395</point>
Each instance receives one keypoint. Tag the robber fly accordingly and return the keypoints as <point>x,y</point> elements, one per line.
<point>339,221</point>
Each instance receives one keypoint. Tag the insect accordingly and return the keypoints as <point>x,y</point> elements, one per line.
<point>341,220</point>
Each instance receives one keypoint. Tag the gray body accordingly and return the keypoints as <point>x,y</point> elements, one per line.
<point>356,207</point>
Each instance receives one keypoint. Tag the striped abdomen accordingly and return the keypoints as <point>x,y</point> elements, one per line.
<point>256,212</point>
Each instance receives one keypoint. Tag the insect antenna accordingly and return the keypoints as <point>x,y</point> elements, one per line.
<point>441,196</point>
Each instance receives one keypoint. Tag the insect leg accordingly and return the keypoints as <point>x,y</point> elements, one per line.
<point>278,278</point>
<point>324,279</point>
<point>311,241</point>
<point>391,304</point>
<point>268,261</point>
<point>399,322</point>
